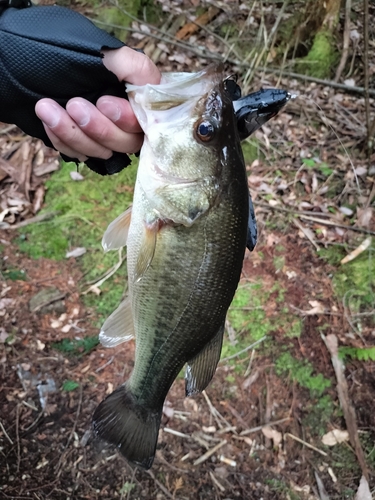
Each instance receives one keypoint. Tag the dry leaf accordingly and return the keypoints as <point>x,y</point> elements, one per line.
<point>270,433</point>
<point>335,437</point>
<point>363,492</point>
<point>317,308</point>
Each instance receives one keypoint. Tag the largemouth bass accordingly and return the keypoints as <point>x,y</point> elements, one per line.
<point>186,236</point>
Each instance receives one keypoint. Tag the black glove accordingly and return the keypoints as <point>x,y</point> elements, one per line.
<point>53,52</point>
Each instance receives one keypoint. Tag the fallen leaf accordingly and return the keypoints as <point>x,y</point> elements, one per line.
<point>336,436</point>
<point>363,492</point>
<point>273,434</point>
<point>317,308</point>
<point>76,252</point>
<point>76,176</point>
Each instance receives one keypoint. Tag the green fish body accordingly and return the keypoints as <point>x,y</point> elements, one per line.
<point>186,237</point>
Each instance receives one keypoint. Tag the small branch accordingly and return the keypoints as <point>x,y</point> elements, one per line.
<point>303,215</point>
<point>27,222</point>
<point>5,433</point>
<point>366,21</point>
<point>346,41</point>
<point>243,350</point>
<point>347,408</point>
<point>308,445</point>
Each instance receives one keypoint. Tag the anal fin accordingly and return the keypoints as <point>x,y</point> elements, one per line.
<point>116,234</point>
<point>201,369</point>
<point>118,327</point>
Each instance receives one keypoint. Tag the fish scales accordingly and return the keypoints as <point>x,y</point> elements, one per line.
<point>186,243</point>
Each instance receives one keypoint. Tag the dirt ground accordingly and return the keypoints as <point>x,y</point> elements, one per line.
<point>263,427</point>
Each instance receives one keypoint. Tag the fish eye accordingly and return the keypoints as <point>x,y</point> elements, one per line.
<point>205,131</point>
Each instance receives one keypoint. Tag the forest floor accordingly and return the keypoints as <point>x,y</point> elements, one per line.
<point>288,414</point>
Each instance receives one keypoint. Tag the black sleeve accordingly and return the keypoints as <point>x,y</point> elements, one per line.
<point>51,51</point>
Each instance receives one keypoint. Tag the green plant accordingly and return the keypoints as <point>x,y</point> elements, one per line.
<point>302,373</point>
<point>70,385</point>
<point>360,353</point>
<point>77,347</point>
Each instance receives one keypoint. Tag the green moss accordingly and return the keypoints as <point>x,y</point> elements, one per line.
<point>322,57</point>
<point>85,209</point>
<point>77,347</point>
<point>250,150</point>
<point>302,373</point>
<point>146,10</point>
<point>356,282</point>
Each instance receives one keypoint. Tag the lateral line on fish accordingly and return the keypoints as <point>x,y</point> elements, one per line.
<point>185,308</point>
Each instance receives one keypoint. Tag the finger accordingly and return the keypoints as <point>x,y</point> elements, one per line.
<point>63,148</point>
<point>131,66</point>
<point>119,111</point>
<point>66,132</point>
<point>102,130</point>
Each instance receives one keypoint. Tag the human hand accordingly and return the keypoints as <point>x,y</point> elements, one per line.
<point>83,129</point>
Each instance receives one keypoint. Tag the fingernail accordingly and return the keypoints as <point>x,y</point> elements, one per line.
<point>109,109</point>
<point>49,114</point>
<point>79,112</point>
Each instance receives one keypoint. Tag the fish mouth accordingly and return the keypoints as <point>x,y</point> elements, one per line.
<point>176,88</point>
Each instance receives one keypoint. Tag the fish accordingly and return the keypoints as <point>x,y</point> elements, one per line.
<point>186,234</point>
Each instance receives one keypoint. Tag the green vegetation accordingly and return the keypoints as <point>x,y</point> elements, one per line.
<point>362,354</point>
<point>302,373</point>
<point>250,149</point>
<point>77,347</point>
<point>322,56</point>
<point>118,15</point>
<point>14,274</point>
<point>85,209</point>
<point>70,385</point>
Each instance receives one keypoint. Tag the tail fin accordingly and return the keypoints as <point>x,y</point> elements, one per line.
<point>121,421</point>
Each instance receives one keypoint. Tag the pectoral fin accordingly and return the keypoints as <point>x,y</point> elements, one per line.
<point>147,250</point>
<point>201,369</point>
<point>252,230</point>
<point>116,234</point>
<point>118,327</point>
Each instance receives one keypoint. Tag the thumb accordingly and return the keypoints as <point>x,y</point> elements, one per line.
<point>131,66</point>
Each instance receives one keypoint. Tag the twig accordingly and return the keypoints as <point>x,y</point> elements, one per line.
<point>243,350</point>
<point>5,433</point>
<point>27,222</point>
<point>110,273</point>
<point>260,427</point>
<point>216,482</point>
<point>176,433</point>
<point>76,418</point>
<point>306,232</point>
<point>204,53</point>
<point>315,219</point>
<point>331,343</point>
<point>346,41</point>
<point>217,415</point>
<point>366,21</point>
<point>161,486</point>
<point>308,445</point>
<point>18,438</point>
<point>105,365</point>
<point>210,452</point>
